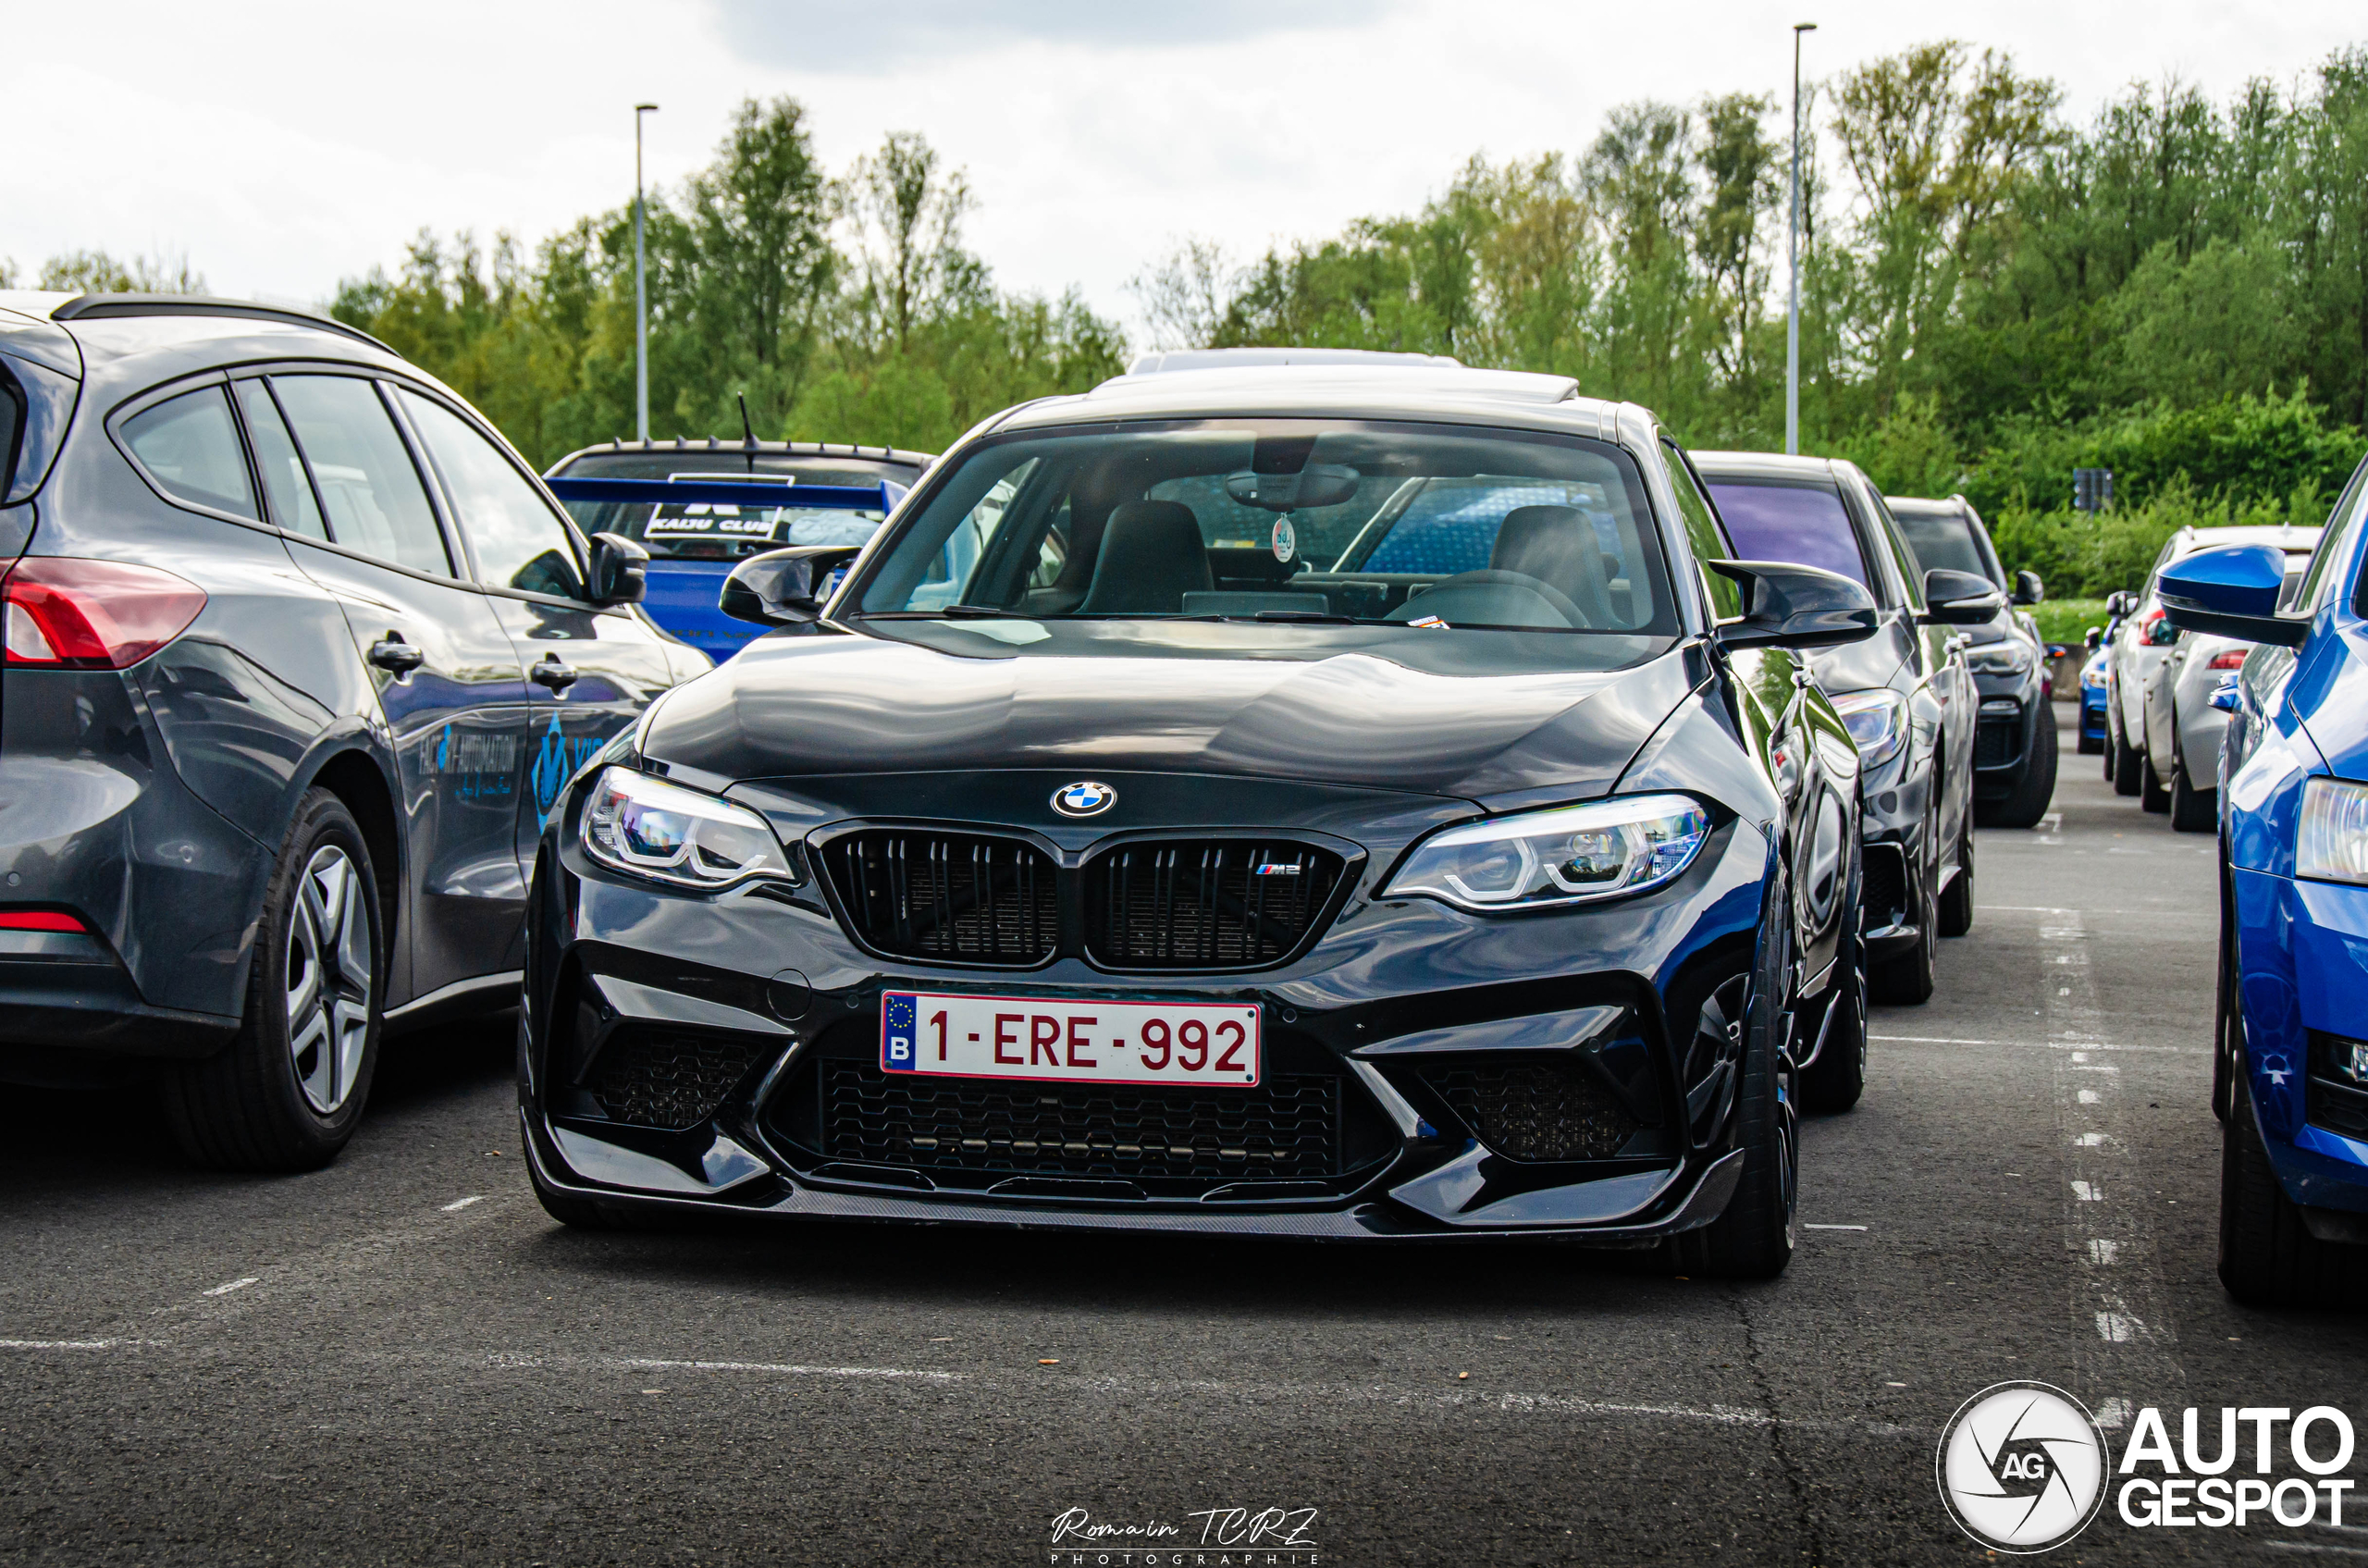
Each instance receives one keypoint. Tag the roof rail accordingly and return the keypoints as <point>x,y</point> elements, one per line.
<point>102,307</point>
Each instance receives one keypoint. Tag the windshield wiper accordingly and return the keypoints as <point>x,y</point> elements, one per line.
<point>977,612</point>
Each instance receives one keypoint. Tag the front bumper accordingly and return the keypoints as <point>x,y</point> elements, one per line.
<point>2005,731</point>
<point>2303,966</point>
<point>1612,1019</point>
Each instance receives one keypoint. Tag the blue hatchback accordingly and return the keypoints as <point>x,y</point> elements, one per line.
<point>2291,1076</point>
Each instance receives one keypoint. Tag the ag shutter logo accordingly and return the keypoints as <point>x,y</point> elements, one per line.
<point>1084,798</point>
<point>2022,1467</point>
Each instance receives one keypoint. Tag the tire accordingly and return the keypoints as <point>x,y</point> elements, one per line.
<point>1833,1083</point>
<point>1754,1239</point>
<point>2127,763</point>
<point>2193,809</point>
<point>2268,1257</point>
<point>2151,796</point>
<point>1906,978</point>
<point>2035,789</point>
<point>576,1214</point>
<point>1956,904</point>
<point>287,1091</point>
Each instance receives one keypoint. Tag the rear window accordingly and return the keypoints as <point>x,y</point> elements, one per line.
<point>1943,542</point>
<point>190,445</point>
<point>700,531</point>
<point>1802,524</point>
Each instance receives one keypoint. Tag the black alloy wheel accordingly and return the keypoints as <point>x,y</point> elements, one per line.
<point>287,1091</point>
<point>1755,1237</point>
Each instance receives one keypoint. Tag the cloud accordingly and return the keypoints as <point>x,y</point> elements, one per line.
<point>833,37</point>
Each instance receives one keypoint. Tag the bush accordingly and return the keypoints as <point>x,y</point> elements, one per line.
<point>2078,554</point>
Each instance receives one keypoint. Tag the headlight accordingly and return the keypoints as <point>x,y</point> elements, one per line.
<point>649,828</point>
<point>1998,659</point>
<point>2332,843</point>
<point>1571,855</point>
<point>1877,721</point>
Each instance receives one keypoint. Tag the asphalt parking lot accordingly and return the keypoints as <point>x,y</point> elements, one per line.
<point>401,1359</point>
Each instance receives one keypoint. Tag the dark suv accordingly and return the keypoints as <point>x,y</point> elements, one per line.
<point>297,651</point>
<point>2014,745</point>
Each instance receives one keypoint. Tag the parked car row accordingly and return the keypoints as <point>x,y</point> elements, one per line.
<point>1357,796</point>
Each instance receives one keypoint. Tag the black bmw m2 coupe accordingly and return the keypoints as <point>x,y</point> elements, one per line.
<point>1358,800</point>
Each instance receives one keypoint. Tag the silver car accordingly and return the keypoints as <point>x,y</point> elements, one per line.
<point>2158,711</point>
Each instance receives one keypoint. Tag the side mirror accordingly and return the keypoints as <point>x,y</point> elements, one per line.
<point>2121,606</point>
<point>2094,640</point>
<point>2230,592</point>
<point>2029,589</point>
<point>780,586</point>
<point>2226,697</point>
<point>1794,607</point>
<point>619,570</point>
<point>2161,633</point>
<point>1959,598</point>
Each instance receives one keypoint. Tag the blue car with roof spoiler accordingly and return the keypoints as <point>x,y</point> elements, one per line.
<point>2291,1044</point>
<point>700,507</point>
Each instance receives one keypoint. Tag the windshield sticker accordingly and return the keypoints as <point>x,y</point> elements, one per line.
<point>1286,539</point>
<point>1429,622</point>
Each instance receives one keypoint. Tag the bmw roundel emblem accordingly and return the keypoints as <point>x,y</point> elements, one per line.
<point>1083,798</point>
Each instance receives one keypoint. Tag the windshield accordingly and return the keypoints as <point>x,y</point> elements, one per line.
<point>1942,542</point>
<point>1424,526</point>
<point>700,532</point>
<point>1802,524</point>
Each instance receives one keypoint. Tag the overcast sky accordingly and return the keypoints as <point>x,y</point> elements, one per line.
<point>284,146</point>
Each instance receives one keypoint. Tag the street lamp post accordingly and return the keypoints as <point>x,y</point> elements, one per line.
<point>1793,314</point>
<point>641,291</point>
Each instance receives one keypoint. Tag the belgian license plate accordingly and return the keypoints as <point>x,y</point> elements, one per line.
<point>1069,1042</point>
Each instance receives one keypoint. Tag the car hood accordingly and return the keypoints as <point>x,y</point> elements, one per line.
<point>2329,691</point>
<point>1435,713</point>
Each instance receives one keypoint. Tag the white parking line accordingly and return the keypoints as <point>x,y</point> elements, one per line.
<point>1805,1226</point>
<point>63,1344</point>
<point>787,1370</point>
<point>463,1202</point>
<point>234,1284</point>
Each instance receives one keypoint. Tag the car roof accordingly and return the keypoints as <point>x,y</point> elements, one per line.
<point>1763,466</point>
<point>2289,536</point>
<point>139,339</point>
<point>1169,360</point>
<point>1926,506</point>
<point>724,445</point>
<point>1357,389</point>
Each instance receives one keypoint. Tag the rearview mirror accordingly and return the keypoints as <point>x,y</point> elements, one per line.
<point>1959,598</point>
<point>2230,592</point>
<point>1318,484</point>
<point>2029,589</point>
<point>781,587</point>
<point>2095,639</point>
<point>1794,607</point>
<point>619,570</point>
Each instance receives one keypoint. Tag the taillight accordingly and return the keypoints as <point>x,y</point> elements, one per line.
<point>40,919</point>
<point>2233,658</point>
<point>71,614</point>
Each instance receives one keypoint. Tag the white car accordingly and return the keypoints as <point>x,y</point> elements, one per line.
<point>2147,760</point>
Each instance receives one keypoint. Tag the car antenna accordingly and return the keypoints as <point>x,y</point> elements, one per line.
<point>747,429</point>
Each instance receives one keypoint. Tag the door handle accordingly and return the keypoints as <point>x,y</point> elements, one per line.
<point>391,653</point>
<point>553,671</point>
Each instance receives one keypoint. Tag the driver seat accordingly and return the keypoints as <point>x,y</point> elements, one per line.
<point>1152,556</point>
<point>1557,546</point>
